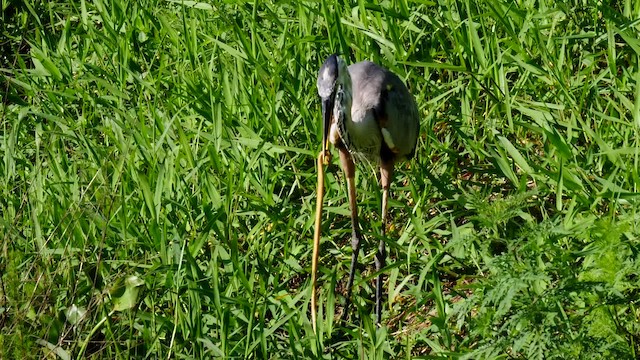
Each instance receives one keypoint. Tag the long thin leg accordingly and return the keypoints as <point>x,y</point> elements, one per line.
<point>386,171</point>
<point>349,169</point>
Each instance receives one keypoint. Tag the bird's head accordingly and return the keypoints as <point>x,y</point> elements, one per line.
<point>332,78</point>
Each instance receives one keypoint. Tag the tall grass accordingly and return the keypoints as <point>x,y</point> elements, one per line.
<point>158,181</point>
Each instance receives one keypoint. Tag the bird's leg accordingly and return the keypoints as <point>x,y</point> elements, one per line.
<point>386,171</point>
<point>350,171</point>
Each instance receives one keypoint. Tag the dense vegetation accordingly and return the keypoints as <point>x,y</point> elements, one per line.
<point>158,182</point>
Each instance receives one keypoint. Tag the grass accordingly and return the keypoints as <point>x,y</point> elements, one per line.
<point>158,181</point>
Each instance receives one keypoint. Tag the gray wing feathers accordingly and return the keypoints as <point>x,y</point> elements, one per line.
<point>389,99</point>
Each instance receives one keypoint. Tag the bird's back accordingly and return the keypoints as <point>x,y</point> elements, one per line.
<point>384,96</point>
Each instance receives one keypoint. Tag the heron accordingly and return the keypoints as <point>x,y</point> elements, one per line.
<point>368,114</point>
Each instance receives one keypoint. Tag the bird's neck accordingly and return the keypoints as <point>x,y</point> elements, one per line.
<point>342,113</point>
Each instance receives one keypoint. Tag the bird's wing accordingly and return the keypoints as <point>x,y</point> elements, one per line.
<point>399,116</point>
<point>393,107</point>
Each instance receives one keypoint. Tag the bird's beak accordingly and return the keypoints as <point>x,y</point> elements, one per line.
<point>327,113</point>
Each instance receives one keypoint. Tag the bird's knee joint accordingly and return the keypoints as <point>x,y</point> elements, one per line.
<point>355,240</point>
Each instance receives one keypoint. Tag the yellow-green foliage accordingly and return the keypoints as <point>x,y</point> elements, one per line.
<point>157,180</point>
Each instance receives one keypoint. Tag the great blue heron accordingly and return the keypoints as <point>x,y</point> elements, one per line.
<point>368,113</point>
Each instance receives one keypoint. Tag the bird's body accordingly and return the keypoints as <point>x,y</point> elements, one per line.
<point>378,97</point>
<point>369,113</point>
<point>381,102</point>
